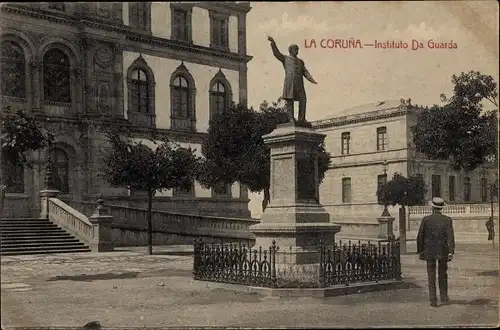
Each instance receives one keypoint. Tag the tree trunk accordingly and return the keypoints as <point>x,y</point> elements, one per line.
<point>150,223</point>
<point>267,197</point>
<point>402,229</point>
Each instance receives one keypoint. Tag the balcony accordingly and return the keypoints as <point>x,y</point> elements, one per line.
<point>183,124</point>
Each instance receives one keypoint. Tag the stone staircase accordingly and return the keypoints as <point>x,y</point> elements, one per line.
<point>19,236</point>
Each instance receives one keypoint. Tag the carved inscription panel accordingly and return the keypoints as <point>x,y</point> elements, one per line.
<point>282,180</point>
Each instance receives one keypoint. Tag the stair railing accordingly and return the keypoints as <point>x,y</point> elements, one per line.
<point>94,231</point>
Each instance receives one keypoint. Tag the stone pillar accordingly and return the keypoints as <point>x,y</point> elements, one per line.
<point>385,222</point>
<point>36,86</point>
<point>294,218</point>
<point>101,228</point>
<point>48,192</point>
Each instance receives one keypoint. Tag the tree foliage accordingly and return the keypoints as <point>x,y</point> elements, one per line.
<point>133,165</point>
<point>235,150</point>
<point>461,130</point>
<point>402,191</point>
<point>20,133</point>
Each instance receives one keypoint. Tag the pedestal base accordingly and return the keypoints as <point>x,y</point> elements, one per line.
<point>385,227</point>
<point>297,242</point>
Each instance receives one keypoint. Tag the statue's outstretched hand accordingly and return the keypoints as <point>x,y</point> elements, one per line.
<point>270,39</point>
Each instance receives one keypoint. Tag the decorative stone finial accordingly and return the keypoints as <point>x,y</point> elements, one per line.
<point>100,200</point>
<point>49,178</point>
<point>99,210</point>
<point>386,213</point>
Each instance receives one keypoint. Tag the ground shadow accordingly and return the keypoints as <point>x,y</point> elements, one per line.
<point>94,277</point>
<point>475,302</point>
<point>488,273</point>
<point>173,253</point>
<point>217,295</point>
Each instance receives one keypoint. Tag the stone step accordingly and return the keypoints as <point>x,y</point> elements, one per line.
<point>28,233</point>
<point>34,230</point>
<point>36,225</point>
<point>45,251</point>
<point>39,240</point>
<point>20,219</point>
<point>16,245</point>
<point>23,220</point>
<point>63,236</point>
<point>44,246</point>
<point>21,236</point>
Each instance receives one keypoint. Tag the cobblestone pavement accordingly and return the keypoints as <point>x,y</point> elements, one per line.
<point>130,288</point>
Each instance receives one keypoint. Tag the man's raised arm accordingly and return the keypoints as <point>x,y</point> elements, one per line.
<point>276,51</point>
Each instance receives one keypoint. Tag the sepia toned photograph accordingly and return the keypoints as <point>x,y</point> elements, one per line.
<point>327,164</point>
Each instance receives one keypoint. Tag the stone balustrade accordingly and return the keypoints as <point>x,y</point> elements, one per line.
<point>129,226</point>
<point>457,210</point>
<point>93,231</point>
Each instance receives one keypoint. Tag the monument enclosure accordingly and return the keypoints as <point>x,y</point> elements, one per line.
<point>295,218</point>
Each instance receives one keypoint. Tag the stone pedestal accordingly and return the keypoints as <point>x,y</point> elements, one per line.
<point>294,218</point>
<point>385,222</point>
<point>101,226</point>
<point>45,195</point>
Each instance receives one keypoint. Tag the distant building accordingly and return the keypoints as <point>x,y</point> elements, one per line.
<point>368,144</point>
<point>151,67</point>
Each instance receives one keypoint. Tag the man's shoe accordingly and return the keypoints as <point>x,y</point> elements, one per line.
<point>434,304</point>
<point>445,300</point>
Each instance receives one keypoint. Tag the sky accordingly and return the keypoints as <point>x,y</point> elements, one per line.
<point>355,76</point>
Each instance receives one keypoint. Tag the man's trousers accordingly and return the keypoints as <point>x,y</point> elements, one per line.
<point>442,267</point>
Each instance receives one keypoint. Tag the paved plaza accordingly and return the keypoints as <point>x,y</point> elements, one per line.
<point>130,288</point>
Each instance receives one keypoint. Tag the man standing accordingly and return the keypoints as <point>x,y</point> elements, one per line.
<point>293,87</point>
<point>436,242</point>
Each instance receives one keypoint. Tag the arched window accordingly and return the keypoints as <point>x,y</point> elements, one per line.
<point>141,93</point>
<point>139,88</point>
<point>182,99</point>
<point>218,98</point>
<point>56,76</point>
<point>12,67</point>
<point>60,169</point>
<point>220,94</point>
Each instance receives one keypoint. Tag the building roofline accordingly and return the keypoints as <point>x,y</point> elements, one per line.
<point>404,107</point>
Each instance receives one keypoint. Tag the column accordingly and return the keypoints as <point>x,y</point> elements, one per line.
<point>36,85</point>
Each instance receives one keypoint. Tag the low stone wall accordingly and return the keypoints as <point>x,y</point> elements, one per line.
<point>225,207</point>
<point>129,227</point>
<point>357,229</point>
<point>462,225</point>
<point>16,206</point>
<point>122,236</point>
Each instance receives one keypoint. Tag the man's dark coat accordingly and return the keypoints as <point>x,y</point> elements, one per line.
<point>435,239</point>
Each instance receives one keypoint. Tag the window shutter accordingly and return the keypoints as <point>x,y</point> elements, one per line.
<point>224,33</point>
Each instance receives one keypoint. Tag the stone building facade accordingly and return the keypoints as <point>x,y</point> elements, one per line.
<point>156,69</point>
<point>368,144</point>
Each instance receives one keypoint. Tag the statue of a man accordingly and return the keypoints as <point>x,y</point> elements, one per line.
<point>293,87</point>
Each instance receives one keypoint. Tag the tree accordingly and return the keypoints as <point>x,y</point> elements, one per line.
<point>402,191</point>
<point>135,166</point>
<point>235,150</point>
<point>19,133</point>
<point>461,131</point>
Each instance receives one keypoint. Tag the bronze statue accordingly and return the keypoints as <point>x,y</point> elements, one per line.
<point>293,87</point>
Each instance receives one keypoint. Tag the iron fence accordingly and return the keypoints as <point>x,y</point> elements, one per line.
<point>340,264</point>
<point>350,263</point>
<point>235,263</point>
